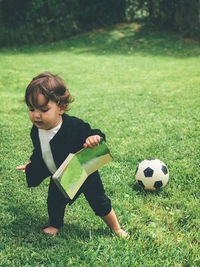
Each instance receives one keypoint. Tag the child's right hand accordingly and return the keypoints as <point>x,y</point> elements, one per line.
<point>92,141</point>
<point>22,167</point>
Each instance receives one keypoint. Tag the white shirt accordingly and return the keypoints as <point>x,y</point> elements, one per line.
<point>45,137</point>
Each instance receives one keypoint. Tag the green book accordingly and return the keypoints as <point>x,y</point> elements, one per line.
<point>73,172</point>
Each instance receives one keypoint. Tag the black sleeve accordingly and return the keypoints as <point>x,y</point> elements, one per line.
<point>36,171</point>
<point>82,130</point>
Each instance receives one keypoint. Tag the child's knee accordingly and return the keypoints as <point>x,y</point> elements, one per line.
<point>101,205</point>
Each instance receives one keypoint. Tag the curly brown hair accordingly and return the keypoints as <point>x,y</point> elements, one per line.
<point>49,85</point>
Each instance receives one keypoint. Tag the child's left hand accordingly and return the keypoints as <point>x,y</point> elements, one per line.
<point>92,141</point>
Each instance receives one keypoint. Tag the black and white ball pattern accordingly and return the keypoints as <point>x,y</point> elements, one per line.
<point>152,174</point>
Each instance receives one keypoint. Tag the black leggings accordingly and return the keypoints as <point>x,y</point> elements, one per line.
<point>94,193</point>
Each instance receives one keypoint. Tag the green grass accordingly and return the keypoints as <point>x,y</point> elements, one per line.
<point>141,87</point>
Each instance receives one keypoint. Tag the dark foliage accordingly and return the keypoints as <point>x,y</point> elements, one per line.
<point>35,21</point>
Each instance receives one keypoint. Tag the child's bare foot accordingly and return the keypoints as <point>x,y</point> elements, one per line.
<point>122,233</point>
<point>51,230</point>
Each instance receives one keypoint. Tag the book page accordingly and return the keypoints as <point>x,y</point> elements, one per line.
<point>77,167</point>
<point>73,177</point>
<point>96,163</point>
<point>63,166</point>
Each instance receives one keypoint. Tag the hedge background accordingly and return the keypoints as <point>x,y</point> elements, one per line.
<point>37,21</point>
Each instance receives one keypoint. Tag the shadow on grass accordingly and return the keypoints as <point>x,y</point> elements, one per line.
<point>122,39</point>
<point>137,188</point>
<point>76,230</point>
<point>27,224</point>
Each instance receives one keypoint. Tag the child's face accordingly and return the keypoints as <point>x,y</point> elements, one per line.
<point>46,116</point>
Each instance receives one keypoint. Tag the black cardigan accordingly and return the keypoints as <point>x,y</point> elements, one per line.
<point>69,139</point>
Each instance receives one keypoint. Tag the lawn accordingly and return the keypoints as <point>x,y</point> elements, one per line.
<point>141,87</point>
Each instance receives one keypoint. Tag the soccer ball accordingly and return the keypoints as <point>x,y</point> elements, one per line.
<point>152,174</point>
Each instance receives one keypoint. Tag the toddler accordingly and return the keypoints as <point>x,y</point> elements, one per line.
<point>54,135</point>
